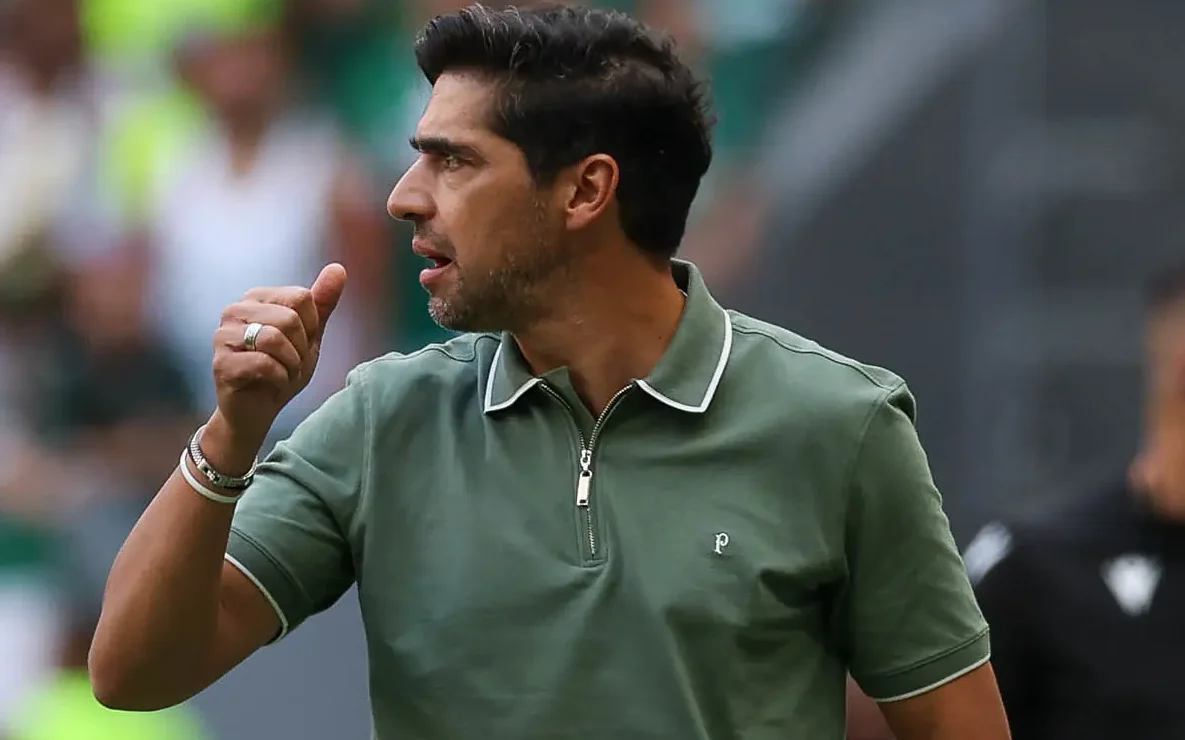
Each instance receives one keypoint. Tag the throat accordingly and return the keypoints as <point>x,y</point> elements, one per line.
<point>605,350</point>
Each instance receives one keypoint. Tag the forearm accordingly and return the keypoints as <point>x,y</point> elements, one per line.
<point>155,642</point>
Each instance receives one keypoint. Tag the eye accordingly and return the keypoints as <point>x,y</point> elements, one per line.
<point>451,162</point>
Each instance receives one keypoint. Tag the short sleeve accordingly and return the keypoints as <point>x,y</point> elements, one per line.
<point>290,534</point>
<point>910,619</point>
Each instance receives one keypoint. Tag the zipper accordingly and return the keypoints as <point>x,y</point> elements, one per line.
<point>587,448</point>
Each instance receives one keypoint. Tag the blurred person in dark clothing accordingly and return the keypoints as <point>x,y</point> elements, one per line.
<point>98,405</point>
<point>118,398</point>
<point>1086,599</point>
<point>116,405</point>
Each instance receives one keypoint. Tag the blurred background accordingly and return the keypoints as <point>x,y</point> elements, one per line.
<point>969,192</point>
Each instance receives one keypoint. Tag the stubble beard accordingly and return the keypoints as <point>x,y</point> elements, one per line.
<point>507,297</point>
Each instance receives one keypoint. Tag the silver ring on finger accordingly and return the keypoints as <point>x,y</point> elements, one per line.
<point>251,335</point>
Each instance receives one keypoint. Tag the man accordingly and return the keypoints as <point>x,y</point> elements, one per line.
<point>628,513</point>
<point>1087,598</point>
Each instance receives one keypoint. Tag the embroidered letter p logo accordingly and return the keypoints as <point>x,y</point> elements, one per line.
<point>721,542</point>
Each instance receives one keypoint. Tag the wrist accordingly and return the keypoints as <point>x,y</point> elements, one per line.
<point>228,450</point>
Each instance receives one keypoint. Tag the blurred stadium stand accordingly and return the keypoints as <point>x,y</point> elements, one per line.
<point>989,242</point>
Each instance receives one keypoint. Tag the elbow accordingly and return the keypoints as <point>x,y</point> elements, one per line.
<point>109,694</point>
<point>117,686</point>
<point>110,690</point>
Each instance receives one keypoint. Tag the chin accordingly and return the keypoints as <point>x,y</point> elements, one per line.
<point>443,313</point>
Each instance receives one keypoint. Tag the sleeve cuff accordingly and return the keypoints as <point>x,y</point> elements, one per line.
<point>270,578</point>
<point>931,674</point>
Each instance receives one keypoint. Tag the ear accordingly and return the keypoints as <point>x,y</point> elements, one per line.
<point>593,186</point>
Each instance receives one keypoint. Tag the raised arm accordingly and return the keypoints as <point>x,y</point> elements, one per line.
<point>177,613</point>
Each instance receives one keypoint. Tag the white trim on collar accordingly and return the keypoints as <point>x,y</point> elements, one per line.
<point>489,405</point>
<point>725,353</point>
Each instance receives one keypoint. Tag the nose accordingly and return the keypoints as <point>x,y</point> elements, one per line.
<point>410,199</point>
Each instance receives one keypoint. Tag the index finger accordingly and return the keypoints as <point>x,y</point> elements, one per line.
<point>296,298</point>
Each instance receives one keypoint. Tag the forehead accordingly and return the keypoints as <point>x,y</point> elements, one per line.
<point>458,109</point>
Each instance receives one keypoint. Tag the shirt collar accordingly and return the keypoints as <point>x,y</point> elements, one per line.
<point>687,376</point>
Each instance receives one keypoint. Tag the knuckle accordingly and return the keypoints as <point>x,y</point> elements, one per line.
<point>227,333</point>
<point>280,342</point>
<point>226,373</point>
<point>292,297</point>
<point>267,340</point>
<point>275,346</point>
<point>288,320</point>
<point>301,297</point>
<point>231,313</point>
<point>257,367</point>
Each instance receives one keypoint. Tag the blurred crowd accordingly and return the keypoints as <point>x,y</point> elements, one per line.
<point>157,159</point>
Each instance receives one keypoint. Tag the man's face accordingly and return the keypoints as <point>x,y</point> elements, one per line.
<point>1160,467</point>
<point>494,237</point>
<point>240,73</point>
<point>48,31</point>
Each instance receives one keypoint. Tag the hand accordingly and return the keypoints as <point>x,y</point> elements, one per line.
<point>254,386</point>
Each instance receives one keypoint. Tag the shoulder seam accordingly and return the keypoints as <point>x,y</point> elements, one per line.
<point>820,352</point>
<point>442,349</point>
<point>874,409</point>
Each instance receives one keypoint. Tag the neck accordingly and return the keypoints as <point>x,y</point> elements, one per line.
<point>613,327</point>
<point>42,79</point>
<point>245,134</point>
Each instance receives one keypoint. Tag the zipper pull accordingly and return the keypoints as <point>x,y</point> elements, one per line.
<point>584,482</point>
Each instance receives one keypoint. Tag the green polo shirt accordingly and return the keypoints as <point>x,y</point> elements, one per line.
<point>707,560</point>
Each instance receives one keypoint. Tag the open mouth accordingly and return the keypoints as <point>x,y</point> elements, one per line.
<point>439,264</point>
<point>437,258</point>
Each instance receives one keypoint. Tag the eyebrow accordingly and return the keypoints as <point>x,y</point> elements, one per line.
<point>442,147</point>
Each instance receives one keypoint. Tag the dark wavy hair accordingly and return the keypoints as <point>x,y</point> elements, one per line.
<point>574,81</point>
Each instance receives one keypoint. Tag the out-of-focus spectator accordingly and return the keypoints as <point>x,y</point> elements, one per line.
<point>1086,598</point>
<point>150,117</point>
<point>122,399</point>
<point>131,40</point>
<point>118,403</point>
<point>263,192</point>
<point>48,116</point>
